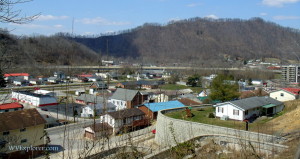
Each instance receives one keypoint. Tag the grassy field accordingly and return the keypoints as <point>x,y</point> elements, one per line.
<point>177,87</point>
<point>262,125</point>
<point>201,116</point>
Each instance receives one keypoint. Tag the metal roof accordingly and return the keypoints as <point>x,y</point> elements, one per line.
<point>126,113</point>
<point>90,98</point>
<point>155,107</point>
<point>253,102</point>
<point>124,94</point>
<point>269,106</point>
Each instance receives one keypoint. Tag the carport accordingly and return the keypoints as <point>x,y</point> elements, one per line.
<point>268,109</point>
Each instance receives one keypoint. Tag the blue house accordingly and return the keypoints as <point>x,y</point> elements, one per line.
<point>151,109</point>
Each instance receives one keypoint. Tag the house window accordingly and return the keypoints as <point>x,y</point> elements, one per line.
<point>6,110</point>
<point>5,133</point>
<point>246,112</point>
<point>220,109</point>
<point>235,112</point>
<point>124,121</point>
<point>16,109</point>
<point>22,130</point>
<point>281,94</point>
<point>23,140</point>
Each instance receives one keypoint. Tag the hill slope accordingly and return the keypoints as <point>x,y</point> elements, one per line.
<point>201,41</point>
<point>42,50</point>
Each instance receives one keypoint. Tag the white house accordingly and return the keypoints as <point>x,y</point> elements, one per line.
<point>204,93</point>
<point>285,94</point>
<point>89,110</point>
<point>19,82</point>
<point>119,120</point>
<point>248,107</point>
<point>126,98</point>
<point>257,82</point>
<point>53,80</point>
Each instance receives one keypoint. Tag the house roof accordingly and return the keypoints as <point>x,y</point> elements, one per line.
<point>155,107</point>
<point>294,91</point>
<point>89,98</point>
<point>85,75</point>
<point>10,106</point>
<point>126,113</point>
<point>33,94</point>
<point>252,93</point>
<point>15,74</point>
<point>124,94</point>
<point>188,102</point>
<point>20,119</point>
<point>100,127</point>
<point>99,84</point>
<point>252,102</point>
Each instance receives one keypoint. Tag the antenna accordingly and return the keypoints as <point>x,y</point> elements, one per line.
<point>72,26</point>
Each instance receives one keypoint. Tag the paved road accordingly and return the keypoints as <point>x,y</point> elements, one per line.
<point>71,140</point>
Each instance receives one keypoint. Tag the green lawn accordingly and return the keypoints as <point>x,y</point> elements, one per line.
<point>177,87</point>
<point>201,116</point>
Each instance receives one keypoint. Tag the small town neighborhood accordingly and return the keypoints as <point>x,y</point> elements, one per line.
<point>99,110</point>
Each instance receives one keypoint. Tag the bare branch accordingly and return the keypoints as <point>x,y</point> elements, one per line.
<point>9,15</point>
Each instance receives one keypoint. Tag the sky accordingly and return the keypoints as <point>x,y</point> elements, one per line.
<point>95,17</point>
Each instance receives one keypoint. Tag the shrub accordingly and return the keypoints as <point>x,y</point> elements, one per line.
<point>211,115</point>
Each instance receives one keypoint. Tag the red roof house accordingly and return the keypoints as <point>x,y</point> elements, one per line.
<point>286,94</point>
<point>295,91</point>
<point>9,107</point>
<point>15,74</point>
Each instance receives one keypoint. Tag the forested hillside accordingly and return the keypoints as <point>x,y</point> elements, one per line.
<point>201,41</point>
<point>42,50</point>
<point>197,42</point>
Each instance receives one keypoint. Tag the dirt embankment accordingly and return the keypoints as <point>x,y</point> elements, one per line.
<point>289,121</point>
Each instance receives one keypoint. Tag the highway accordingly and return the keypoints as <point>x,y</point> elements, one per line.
<point>116,67</point>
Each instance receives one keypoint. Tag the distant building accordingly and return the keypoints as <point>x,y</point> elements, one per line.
<point>98,87</point>
<point>12,76</point>
<point>290,73</point>
<point>141,84</point>
<point>22,128</point>
<point>286,94</point>
<point>34,99</point>
<point>10,107</point>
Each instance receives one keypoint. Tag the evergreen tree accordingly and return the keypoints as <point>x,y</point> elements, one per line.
<point>2,81</point>
<point>194,81</point>
<point>223,89</point>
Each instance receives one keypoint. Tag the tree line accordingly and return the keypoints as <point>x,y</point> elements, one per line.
<point>201,41</point>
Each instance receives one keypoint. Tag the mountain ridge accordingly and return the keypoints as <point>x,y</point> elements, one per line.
<point>200,40</point>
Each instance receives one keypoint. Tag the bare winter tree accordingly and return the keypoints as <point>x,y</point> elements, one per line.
<point>10,15</point>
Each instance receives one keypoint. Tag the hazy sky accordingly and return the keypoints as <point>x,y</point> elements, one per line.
<point>103,16</point>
